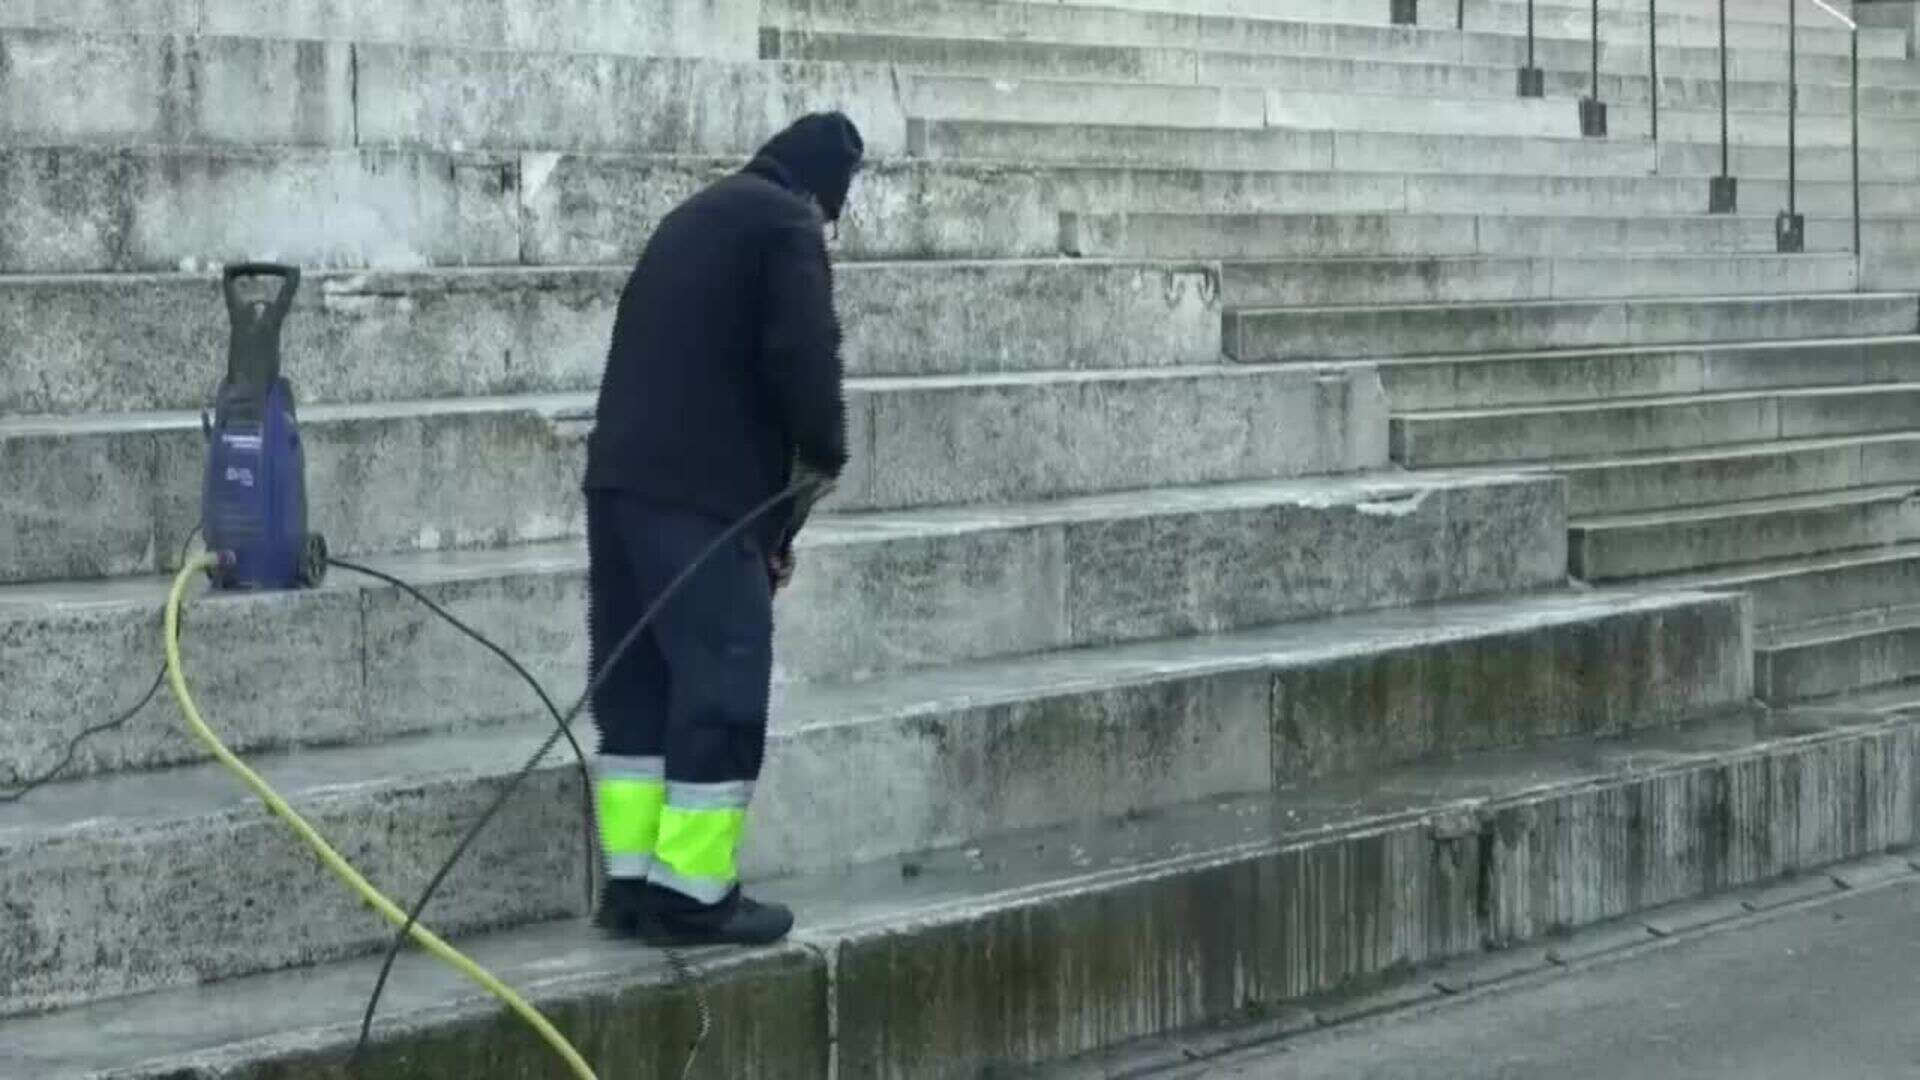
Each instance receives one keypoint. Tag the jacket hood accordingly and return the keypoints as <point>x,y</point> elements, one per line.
<point>818,153</point>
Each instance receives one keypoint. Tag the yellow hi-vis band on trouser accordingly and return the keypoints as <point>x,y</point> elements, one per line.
<point>700,832</point>
<point>630,792</point>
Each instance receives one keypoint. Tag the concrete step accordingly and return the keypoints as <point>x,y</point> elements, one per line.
<point>971,752</point>
<point>721,28</point>
<point>1617,547</point>
<point>402,476</point>
<point>1468,279</point>
<point>1756,48</point>
<point>1871,650</point>
<point>1654,481</point>
<point>1547,378</point>
<point>1001,956</point>
<point>1693,421</point>
<point>128,343</point>
<point>82,209</point>
<point>1324,333</point>
<point>119,89</point>
<point>1115,143</point>
<point>1005,57</point>
<point>1814,589</point>
<point>1308,235</point>
<point>876,595</point>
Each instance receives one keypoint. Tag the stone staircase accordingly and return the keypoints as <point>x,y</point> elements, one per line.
<point>1192,633</point>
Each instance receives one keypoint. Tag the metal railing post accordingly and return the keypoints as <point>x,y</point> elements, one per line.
<point>1533,81</point>
<point>1790,228</point>
<point>1859,254</point>
<point>1593,111</point>
<point>1723,196</point>
<point>1653,64</point>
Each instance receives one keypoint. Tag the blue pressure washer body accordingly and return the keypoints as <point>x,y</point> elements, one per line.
<point>254,503</point>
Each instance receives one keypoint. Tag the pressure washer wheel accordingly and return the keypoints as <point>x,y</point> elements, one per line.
<point>313,561</point>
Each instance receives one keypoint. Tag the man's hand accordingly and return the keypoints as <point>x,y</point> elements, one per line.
<point>780,569</point>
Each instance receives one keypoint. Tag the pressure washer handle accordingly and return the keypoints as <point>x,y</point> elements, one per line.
<point>253,353</point>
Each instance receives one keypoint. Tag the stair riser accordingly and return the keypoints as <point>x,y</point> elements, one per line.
<point>1625,489</point>
<point>1558,379</point>
<point>1477,280</point>
<point>971,770</point>
<point>469,479</point>
<point>1790,599</point>
<point>1423,443</point>
<point>1420,442</point>
<point>1323,334</point>
<point>1789,674</point>
<point>1627,552</point>
<point>858,607</point>
<point>674,28</point>
<point>1350,235</point>
<point>117,344</point>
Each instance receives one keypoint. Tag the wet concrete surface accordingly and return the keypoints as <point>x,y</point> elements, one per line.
<point>1828,990</point>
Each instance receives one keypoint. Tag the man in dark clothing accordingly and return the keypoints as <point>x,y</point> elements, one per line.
<point>723,386</point>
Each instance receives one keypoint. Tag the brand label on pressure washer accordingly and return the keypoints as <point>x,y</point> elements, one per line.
<point>242,442</point>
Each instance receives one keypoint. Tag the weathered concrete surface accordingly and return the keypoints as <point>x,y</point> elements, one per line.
<point>1345,332</point>
<point>1870,649</point>
<point>131,343</point>
<point>715,28</point>
<point>1472,382</point>
<point>1633,427</point>
<point>462,100</point>
<point>1028,58</point>
<point>998,755</point>
<point>494,472</point>
<point>1739,474</point>
<point>1469,279</point>
<point>1820,991</point>
<point>100,87</point>
<point>1797,591</point>
<point>876,596</point>
<point>89,209</point>
<point>1662,542</point>
<point>120,89</point>
<point>1299,235</point>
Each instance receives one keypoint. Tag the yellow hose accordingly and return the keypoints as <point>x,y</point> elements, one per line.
<point>427,939</point>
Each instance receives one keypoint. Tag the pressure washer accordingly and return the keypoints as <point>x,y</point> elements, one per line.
<point>254,502</point>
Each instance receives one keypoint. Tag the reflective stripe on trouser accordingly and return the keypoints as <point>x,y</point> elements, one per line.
<point>700,831</point>
<point>631,792</point>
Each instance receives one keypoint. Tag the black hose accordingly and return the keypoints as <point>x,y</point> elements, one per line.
<point>586,778</point>
<point>23,788</point>
<point>793,491</point>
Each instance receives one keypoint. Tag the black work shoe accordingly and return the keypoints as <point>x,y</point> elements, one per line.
<point>737,921</point>
<point>623,908</point>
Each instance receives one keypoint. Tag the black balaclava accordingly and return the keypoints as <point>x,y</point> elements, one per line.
<point>820,152</point>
